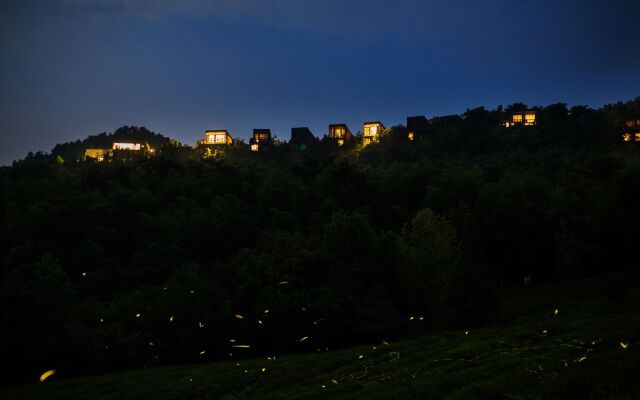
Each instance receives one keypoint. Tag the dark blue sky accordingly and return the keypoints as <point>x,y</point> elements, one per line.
<point>70,68</point>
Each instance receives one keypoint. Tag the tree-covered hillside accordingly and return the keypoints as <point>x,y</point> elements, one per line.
<point>180,257</point>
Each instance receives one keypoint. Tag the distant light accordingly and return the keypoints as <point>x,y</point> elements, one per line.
<point>138,315</point>
<point>238,316</point>
<point>624,345</point>
<point>555,312</point>
<point>47,374</point>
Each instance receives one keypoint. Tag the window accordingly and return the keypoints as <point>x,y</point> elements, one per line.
<point>626,137</point>
<point>126,146</point>
<point>410,136</point>
<point>340,142</point>
<point>254,147</point>
<point>210,138</point>
<point>517,118</point>
<point>630,124</point>
<point>530,119</point>
<point>638,137</point>
<point>262,136</point>
<point>221,138</point>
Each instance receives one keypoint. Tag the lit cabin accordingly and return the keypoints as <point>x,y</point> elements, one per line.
<point>261,140</point>
<point>526,118</point>
<point>97,154</point>
<point>127,146</point>
<point>339,133</point>
<point>631,130</point>
<point>216,138</point>
<point>302,138</point>
<point>416,126</point>
<point>371,132</point>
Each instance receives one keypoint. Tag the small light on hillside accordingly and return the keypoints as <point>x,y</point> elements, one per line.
<point>47,374</point>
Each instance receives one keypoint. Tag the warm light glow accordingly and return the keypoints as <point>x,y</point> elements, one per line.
<point>127,146</point>
<point>556,311</point>
<point>517,118</point>
<point>626,137</point>
<point>254,147</point>
<point>217,137</point>
<point>530,119</point>
<point>410,136</point>
<point>340,142</point>
<point>638,137</point>
<point>630,123</point>
<point>624,345</point>
<point>238,316</point>
<point>47,374</point>
<point>97,154</point>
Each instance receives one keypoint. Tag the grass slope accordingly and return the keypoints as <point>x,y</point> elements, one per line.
<point>576,354</point>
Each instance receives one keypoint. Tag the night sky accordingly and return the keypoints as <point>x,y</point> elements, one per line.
<point>70,68</point>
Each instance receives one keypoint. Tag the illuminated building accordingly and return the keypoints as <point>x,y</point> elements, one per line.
<point>526,118</point>
<point>302,138</point>
<point>216,138</point>
<point>119,149</point>
<point>631,132</point>
<point>127,146</point>
<point>97,154</point>
<point>371,132</point>
<point>261,140</point>
<point>339,133</point>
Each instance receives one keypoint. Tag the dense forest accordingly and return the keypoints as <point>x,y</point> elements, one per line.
<point>181,257</point>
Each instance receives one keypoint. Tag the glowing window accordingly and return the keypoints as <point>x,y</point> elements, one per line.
<point>530,119</point>
<point>630,123</point>
<point>517,118</point>
<point>626,137</point>
<point>638,137</point>
<point>340,142</point>
<point>221,138</point>
<point>410,136</point>
<point>127,146</point>
<point>254,147</point>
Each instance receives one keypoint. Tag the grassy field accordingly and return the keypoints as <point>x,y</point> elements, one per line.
<point>577,353</point>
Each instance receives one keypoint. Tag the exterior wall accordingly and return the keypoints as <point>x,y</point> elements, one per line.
<point>526,118</point>
<point>339,133</point>
<point>221,137</point>
<point>371,132</point>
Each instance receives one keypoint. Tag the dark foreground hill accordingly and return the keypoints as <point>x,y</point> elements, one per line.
<point>587,350</point>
